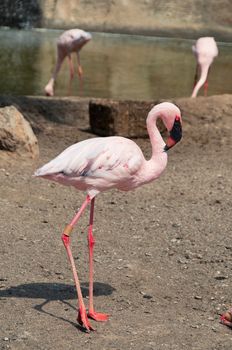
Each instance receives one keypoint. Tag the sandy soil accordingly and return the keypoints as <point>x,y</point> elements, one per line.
<point>163,255</point>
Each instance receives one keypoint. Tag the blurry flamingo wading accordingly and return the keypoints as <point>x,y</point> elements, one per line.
<point>70,41</point>
<point>205,51</point>
<point>100,164</point>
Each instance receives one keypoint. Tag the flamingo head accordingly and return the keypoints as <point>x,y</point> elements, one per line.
<point>49,91</point>
<point>85,37</point>
<point>175,133</point>
<point>170,114</point>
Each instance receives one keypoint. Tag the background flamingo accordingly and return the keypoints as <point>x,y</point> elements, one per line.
<point>226,318</point>
<point>99,164</point>
<point>205,51</point>
<point>70,41</point>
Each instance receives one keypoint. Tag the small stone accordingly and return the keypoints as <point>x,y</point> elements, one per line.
<point>147,296</point>
<point>182,261</point>
<point>199,256</point>
<point>210,318</point>
<point>176,225</point>
<point>6,339</point>
<point>221,277</point>
<point>197,297</point>
<point>148,254</point>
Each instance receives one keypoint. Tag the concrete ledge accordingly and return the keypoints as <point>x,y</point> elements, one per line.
<point>205,119</point>
<point>68,110</point>
<point>124,118</point>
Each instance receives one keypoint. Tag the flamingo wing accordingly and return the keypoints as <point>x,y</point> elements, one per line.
<point>98,157</point>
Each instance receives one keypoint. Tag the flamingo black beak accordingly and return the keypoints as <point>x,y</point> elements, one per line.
<point>175,134</point>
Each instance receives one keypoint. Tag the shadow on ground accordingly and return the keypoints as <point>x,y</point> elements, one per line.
<point>54,292</point>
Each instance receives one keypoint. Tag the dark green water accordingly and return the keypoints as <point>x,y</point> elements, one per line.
<point>115,66</point>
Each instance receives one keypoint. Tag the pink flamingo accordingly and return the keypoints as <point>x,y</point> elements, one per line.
<point>103,163</point>
<point>70,41</point>
<point>226,318</point>
<point>205,51</point>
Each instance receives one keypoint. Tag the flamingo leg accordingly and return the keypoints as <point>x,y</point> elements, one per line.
<point>79,68</point>
<point>206,87</point>
<point>91,241</point>
<point>71,68</point>
<point>49,88</point>
<point>80,72</point>
<point>206,84</point>
<point>196,76</point>
<point>82,315</point>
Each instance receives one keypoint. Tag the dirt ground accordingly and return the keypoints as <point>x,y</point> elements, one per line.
<point>163,253</point>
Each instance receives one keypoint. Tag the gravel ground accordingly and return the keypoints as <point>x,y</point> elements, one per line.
<point>163,253</point>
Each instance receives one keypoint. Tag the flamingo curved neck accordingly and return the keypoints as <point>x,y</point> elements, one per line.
<point>156,139</point>
<point>202,80</point>
<point>153,167</point>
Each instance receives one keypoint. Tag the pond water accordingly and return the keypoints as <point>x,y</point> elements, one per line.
<point>115,66</point>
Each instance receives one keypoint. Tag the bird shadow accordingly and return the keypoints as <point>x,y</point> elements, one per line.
<point>54,292</point>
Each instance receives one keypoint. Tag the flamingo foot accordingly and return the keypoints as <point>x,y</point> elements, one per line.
<point>98,316</point>
<point>226,318</point>
<point>83,320</point>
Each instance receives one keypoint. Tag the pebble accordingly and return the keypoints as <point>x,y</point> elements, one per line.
<point>194,326</point>
<point>182,261</point>
<point>217,201</point>
<point>3,279</point>
<point>147,296</point>
<point>176,225</point>
<point>148,254</point>
<point>210,318</point>
<point>199,256</point>
<point>220,277</point>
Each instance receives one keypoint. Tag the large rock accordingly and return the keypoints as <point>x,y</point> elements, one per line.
<point>16,134</point>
